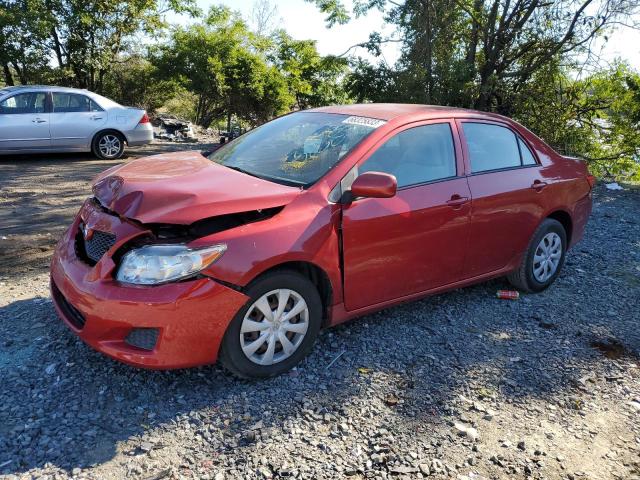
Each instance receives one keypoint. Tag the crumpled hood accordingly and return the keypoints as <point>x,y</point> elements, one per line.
<point>183,187</point>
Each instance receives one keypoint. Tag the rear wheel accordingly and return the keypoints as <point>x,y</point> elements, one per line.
<point>108,145</point>
<point>276,328</point>
<point>543,259</point>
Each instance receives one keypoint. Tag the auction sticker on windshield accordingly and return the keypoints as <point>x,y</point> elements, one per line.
<point>366,121</point>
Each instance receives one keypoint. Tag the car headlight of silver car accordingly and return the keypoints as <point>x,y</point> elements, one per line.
<point>154,264</point>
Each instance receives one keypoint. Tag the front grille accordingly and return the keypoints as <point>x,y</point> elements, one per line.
<point>145,338</point>
<point>94,248</point>
<point>70,312</point>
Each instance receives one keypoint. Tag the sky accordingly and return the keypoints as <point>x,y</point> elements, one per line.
<point>304,21</point>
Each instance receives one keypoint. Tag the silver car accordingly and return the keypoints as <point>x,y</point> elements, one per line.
<point>57,119</point>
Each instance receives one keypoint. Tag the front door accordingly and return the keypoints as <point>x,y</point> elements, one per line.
<point>75,118</point>
<point>416,240</point>
<point>24,123</point>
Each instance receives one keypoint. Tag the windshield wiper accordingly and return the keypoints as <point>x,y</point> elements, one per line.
<point>281,181</point>
<point>241,170</point>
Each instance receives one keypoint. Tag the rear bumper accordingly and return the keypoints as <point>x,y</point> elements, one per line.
<point>141,135</point>
<point>191,317</point>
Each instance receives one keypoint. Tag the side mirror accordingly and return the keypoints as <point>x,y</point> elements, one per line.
<point>374,185</point>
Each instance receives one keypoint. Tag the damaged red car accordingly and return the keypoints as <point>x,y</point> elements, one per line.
<point>314,218</point>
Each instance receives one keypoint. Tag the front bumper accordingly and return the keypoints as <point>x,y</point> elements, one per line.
<point>191,317</point>
<point>141,135</point>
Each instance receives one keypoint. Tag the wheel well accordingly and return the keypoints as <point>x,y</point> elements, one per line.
<point>109,130</point>
<point>317,276</point>
<point>565,219</point>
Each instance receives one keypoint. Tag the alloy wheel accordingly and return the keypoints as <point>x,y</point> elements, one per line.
<point>109,145</point>
<point>274,326</point>
<point>547,257</point>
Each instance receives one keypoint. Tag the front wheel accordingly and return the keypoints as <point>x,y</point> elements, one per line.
<point>108,145</point>
<point>543,259</point>
<point>275,329</point>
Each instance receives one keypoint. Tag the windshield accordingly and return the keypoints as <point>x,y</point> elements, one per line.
<point>296,149</point>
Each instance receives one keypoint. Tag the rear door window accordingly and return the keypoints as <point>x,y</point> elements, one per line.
<point>29,102</point>
<point>73,102</point>
<point>416,155</point>
<point>491,147</point>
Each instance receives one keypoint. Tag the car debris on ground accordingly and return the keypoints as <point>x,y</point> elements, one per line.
<point>169,127</point>
<point>613,186</point>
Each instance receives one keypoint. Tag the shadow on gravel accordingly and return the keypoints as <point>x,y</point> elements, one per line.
<point>62,403</point>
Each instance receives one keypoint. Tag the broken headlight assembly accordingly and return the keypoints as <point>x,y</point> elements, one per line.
<point>156,264</point>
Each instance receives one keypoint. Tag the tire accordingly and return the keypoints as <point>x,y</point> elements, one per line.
<point>271,288</point>
<point>108,145</point>
<point>532,275</point>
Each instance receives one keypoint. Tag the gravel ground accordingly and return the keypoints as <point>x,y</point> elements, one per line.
<point>459,385</point>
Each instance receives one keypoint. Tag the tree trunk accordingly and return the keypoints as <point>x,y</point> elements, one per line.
<point>8,76</point>
<point>229,121</point>
<point>429,52</point>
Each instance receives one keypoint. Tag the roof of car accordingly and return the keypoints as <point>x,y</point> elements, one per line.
<point>390,111</point>
<point>40,87</point>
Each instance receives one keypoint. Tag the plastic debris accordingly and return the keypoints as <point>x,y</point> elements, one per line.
<point>613,186</point>
<point>508,294</point>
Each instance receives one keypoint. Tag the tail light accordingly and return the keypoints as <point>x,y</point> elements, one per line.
<point>144,119</point>
<point>592,180</point>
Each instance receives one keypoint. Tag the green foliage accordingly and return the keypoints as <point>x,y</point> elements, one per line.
<point>334,9</point>
<point>86,38</point>
<point>134,81</point>
<point>513,58</point>
<point>217,61</point>
<point>23,36</point>
<point>608,113</point>
<point>312,80</point>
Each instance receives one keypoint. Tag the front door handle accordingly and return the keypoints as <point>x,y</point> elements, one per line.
<point>538,185</point>
<point>95,117</point>
<point>457,200</point>
<point>38,120</point>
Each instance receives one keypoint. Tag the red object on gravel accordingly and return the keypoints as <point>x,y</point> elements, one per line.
<point>508,294</point>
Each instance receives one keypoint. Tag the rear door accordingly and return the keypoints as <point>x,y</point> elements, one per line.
<point>508,194</point>
<point>416,240</point>
<point>24,122</point>
<point>75,118</point>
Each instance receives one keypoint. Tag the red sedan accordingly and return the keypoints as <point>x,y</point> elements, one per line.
<point>307,221</point>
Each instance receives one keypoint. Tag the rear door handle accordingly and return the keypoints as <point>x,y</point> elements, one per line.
<point>457,200</point>
<point>95,117</point>
<point>538,185</point>
<point>38,120</point>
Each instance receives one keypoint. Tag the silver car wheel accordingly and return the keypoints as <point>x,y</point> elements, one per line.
<point>109,145</point>
<point>274,326</point>
<point>547,257</point>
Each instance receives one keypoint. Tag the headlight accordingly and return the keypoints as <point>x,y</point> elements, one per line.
<point>155,264</point>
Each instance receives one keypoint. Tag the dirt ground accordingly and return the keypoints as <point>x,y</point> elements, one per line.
<point>40,194</point>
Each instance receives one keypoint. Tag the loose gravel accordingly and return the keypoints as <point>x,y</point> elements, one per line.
<point>459,385</point>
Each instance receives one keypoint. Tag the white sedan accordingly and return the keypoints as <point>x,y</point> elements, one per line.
<point>57,119</point>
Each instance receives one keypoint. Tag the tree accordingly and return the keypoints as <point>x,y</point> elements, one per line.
<point>84,38</point>
<point>215,59</point>
<point>313,80</point>
<point>23,35</point>
<point>134,81</point>
<point>264,17</point>
<point>479,53</point>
